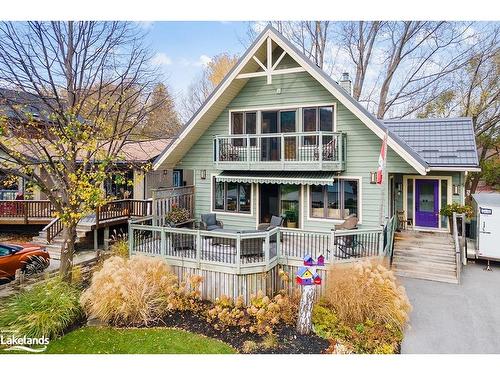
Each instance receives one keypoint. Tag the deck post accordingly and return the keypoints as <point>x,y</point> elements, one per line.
<point>248,151</point>
<point>266,250</point>
<point>198,248</point>
<point>320,150</point>
<point>130,238</point>
<point>106,238</point>
<point>163,243</point>
<point>381,243</point>
<point>96,239</point>
<point>238,252</point>
<point>332,243</point>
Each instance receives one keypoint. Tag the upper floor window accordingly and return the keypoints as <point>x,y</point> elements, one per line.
<point>243,123</point>
<point>317,119</point>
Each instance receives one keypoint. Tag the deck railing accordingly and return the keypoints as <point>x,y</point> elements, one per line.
<point>166,198</point>
<point>281,150</point>
<point>243,252</point>
<point>460,242</point>
<point>27,209</point>
<point>53,229</point>
<point>123,209</point>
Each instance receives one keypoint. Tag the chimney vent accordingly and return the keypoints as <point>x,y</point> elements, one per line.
<point>346,83</point>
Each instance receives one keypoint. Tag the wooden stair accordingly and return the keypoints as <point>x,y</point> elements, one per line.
<point>54,247</point>
<point>425,255</point>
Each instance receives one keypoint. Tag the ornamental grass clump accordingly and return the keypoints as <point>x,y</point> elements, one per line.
<point>137,292</point>
<point>45,310</point>
<point>367,291</point>
<point>363,309</point>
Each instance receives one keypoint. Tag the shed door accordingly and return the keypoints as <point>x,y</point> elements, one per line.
<point>489,222</point>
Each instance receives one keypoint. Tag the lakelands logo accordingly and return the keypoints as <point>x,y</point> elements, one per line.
<point>10,341</point>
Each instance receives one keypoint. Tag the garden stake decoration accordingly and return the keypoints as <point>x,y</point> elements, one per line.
<point>308,278</point>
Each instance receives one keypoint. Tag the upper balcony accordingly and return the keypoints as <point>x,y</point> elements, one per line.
<point>281,151</point>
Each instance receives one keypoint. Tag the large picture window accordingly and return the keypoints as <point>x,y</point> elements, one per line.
<point>336,201</point>
<point>232,197</point>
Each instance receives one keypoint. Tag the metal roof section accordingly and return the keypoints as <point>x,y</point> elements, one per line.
<point>278,177</point>
<point>444,142</point>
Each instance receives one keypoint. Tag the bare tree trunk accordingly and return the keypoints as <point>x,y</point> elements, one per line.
<point>304,320</point>
<point>68,251</point>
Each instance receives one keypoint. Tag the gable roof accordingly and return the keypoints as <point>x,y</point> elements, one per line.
<point>229,88</point>
<point>442,143</point>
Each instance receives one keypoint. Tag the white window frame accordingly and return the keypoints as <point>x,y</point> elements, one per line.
<point>221,212</point>
<point>299,115</point>
<point>307,202</point>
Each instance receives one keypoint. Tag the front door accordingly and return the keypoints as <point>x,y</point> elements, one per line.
<point>427,203</point>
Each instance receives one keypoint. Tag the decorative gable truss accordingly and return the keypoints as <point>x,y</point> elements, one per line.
<point>270,68</point>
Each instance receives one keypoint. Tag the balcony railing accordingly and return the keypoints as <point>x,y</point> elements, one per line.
<point>281,151</point>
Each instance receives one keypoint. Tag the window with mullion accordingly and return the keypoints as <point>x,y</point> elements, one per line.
<point>232,197</point>
<point>335,201</point>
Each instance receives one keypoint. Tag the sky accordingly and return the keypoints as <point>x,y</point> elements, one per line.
<point>182,48</point>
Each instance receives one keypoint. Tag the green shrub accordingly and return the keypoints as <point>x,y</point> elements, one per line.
<point>47,309</point>
<point>367,337</point>
<point>260,316</point>
<point>458,208</point>
<point>119,244</point>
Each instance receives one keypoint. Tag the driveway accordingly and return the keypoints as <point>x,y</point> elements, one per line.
<point>448,318</point>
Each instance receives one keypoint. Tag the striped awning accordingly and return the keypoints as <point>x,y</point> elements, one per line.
<point>278,177</point>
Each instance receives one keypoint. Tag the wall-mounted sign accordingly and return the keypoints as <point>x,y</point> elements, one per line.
<point>485,211</point>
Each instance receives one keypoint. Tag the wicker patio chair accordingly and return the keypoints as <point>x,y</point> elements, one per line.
<point>209,222</point>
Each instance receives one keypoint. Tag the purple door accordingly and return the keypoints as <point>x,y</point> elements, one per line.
<point>427,203</point>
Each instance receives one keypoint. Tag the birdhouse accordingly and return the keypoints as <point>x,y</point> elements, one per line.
<point>321,261</point>
<point>308,260</point>
<point>316,279</point>
<point>305,276</point>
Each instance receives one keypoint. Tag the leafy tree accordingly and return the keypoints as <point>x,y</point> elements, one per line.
<point>88,86</point>
<point>163,120</point>
<point>213,73</point>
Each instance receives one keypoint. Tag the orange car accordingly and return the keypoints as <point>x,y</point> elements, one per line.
<point>28,257</point>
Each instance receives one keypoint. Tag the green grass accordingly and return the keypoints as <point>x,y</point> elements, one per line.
<point>97,340</point>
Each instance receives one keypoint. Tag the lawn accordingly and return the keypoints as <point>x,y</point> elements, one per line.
<point>94,340</point>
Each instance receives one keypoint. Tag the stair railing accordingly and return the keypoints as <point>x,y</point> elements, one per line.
<point>460,243</point>
<point>53,229</point>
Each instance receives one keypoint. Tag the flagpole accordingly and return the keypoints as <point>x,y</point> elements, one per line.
<point>383,155</point>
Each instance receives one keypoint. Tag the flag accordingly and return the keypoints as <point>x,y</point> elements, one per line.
<point>382,160</point>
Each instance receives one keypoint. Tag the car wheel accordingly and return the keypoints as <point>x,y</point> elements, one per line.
<point>35,265</point>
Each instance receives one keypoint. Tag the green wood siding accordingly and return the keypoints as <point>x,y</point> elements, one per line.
<point>363,147</point>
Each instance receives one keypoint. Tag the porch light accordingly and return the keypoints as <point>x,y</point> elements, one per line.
<point>456,190</point>
<point>373,177</point>
<point>203,174</point>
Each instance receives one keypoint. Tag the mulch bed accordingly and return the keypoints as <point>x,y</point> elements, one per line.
<point>289,342</point>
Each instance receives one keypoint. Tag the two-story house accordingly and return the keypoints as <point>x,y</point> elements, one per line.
<point>279,136</point>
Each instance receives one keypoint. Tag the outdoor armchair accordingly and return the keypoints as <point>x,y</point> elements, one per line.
<point>209,222</point>
<point>276,221</point>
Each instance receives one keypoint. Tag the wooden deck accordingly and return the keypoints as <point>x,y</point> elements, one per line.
<point>241,263</point>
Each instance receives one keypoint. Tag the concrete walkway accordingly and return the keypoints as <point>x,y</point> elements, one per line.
<point>450,318</point>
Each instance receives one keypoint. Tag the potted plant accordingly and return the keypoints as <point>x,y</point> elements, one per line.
<point>459,209</point>
<point>177,215</point>
<point>291,219</point>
